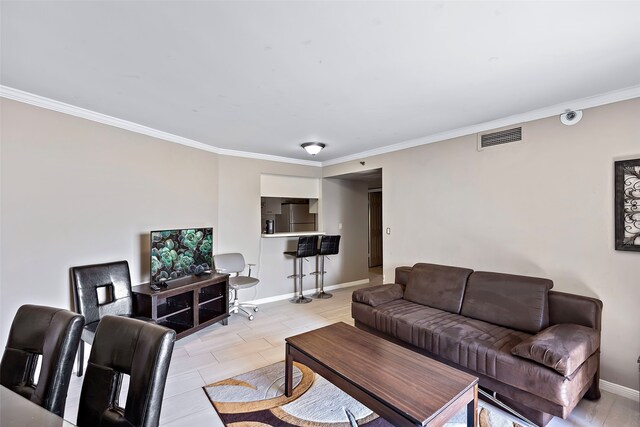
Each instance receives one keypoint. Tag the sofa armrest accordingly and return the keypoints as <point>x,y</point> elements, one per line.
<point>376,295</point>
<point>578,309</point>
<point>562,347</point>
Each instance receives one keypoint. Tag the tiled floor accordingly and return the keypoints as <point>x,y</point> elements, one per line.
<point>219,352</point>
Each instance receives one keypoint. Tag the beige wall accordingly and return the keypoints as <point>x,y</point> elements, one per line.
<point>542,208</point>
<point>346,202</point>
<point>77,192</point>
<point>239,226</point>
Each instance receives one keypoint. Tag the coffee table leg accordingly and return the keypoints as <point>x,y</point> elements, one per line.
<point>288,372</point>
<point>472,409</point>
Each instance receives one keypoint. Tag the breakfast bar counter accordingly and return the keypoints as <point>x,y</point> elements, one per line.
<point>293,234</point>
<point>273,267</point>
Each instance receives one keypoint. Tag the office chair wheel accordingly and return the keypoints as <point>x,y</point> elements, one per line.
<point>255,309</point>
<point>251,317</point>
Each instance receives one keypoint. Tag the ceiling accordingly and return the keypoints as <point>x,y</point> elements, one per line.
<point>265,76</point>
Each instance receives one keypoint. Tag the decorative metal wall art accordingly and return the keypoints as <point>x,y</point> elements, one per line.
<point>627,209</point>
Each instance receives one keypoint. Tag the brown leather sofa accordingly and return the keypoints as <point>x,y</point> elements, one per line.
<point>536,349</point>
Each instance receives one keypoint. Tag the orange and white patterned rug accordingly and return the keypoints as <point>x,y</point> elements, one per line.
<point>256,399</point>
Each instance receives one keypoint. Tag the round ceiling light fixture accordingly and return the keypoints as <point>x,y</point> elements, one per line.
<point>313,148</point>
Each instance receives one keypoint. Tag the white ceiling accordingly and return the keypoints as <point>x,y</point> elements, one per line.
<point>265,76</point>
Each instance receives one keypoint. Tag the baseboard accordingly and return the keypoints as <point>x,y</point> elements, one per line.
<point>620,390</point>
<point>341,285</point>
<point>307,292</point>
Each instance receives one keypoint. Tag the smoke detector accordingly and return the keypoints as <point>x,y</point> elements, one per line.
<point>571,117</point>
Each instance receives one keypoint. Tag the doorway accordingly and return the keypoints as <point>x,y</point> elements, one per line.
<point>375,228</point>
<point>372,179</point>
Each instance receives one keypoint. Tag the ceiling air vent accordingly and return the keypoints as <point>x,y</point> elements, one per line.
<point>499,137</point>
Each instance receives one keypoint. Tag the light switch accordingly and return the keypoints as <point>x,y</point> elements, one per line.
<point>340,226</point>
<point>389,230</point>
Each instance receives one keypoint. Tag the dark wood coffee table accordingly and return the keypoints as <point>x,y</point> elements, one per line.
<point>400,385</point>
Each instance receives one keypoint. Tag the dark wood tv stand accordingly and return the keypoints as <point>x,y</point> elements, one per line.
<point>187,304</point>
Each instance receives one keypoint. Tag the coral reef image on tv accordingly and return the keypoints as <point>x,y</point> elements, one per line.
<point>178,253</point>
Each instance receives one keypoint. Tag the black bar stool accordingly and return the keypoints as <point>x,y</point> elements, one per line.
<point>307,247</point>
<point>328,246</point>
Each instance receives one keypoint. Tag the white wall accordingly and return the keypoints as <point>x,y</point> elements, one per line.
<point>288,186</point>
<point>343,202</point>
<point>346,202</point>
<point>239,225</point>
<point>76,192</point>
<point>540,208</point>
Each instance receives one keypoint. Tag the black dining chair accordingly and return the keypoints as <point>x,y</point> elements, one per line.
<point>101,289</point>
<point>121,346</point>
<point>47,333</point>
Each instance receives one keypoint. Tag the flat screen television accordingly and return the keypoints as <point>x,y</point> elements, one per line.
<point>178,253</point>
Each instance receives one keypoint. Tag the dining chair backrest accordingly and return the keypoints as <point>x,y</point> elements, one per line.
<point>133,347</point>
<point>102,289</point>
<point>49,333</point>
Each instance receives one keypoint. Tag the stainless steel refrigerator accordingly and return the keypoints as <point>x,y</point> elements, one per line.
<point>295,217</point>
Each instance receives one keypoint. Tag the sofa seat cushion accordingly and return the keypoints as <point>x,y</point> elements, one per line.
<point>396,318</point>
<point>516,302</point>
<point>418,324</point>
<point>562,347</point>
<point>440,332</point>
<point>543,381</point>
<point>486,348</point>
<point>438,286</point>
<point>478,346</point>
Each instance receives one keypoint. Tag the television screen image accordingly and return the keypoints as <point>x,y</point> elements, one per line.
<point>178,253</point>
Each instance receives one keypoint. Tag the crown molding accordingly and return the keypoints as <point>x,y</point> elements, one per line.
<point>577,104</point>
<point>259,156</point>
<point>61,107</point>
<point>541,113</point>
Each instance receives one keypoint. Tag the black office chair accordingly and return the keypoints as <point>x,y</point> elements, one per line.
<point>101,289</point>
<point>307,247</point>
<point>234,265</point>
<point>53,334</point>
<point>329,245</point>
<point>139,349</point>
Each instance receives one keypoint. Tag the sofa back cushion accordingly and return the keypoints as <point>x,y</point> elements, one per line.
<point>402,275</point>
<point>438,286</point>
<point>517,302</point>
